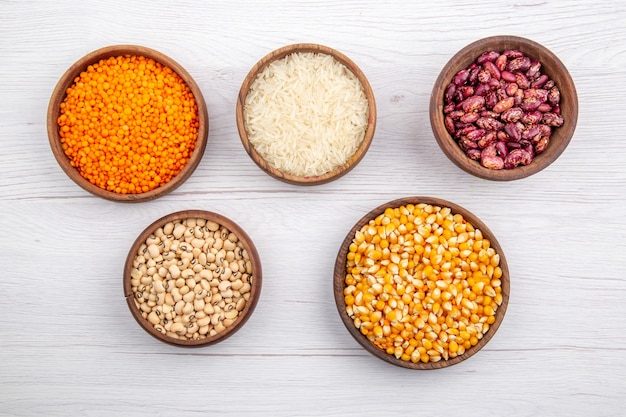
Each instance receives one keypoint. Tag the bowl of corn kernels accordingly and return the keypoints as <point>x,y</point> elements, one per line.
<point>127,123</point>
<point>421,283</point>
<point>192,278</point>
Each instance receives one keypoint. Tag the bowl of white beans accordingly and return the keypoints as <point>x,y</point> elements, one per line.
<point>192,278</point>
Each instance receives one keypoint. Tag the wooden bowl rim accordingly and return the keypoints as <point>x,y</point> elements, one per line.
<point>551,65</point>
<point>255,286</point>
<point>59,94</point>
<point>258,159</point>
<point>339,283</point>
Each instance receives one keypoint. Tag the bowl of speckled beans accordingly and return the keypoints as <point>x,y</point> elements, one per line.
<point>503,108</point>
<point>127,123</point>
<point>192,278</point>
<point>421,283</point>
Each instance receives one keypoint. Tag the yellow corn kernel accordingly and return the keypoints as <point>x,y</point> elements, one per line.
<point>392,315</point>
<point>497,272</point>
<point>400,289</point>
<point>498,298</point>
<point>375,316</point>
<point>398,352</point>
<point>375,254</point>
<point>376,289</point>
<point>349,300</point>
<point>377,331</point>
<point>490,291</point>
<point>488,310</point>
<point>397,327</point>
<point>350,280</point>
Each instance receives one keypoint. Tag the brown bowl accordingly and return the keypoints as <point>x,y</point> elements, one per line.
<point>551,66</point>
<point>134,288</point>
<point>339,284</point>
<point>258,159</point>
<point>67,80</point>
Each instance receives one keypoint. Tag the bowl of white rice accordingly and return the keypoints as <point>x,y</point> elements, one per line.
<point>306,114</point>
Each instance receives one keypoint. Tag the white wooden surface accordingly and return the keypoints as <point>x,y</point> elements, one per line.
<point>68,345</point>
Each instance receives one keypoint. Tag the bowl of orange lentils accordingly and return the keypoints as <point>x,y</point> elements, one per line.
<point>421,283</point>
<point>127,123</point>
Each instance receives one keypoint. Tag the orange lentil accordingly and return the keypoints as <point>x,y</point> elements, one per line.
<point>128,124</point>
<point>433,307</point>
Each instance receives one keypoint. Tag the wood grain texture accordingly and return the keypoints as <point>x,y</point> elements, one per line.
<point>68,345</point>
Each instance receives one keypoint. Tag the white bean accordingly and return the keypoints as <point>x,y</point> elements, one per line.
<point>174,271</point>
<point>187,308</point>
<point>204,321</point>
<point>154,251</point>
<point>158,287</point>
<point>208,308</point>
<point>198,305</point>
<point>229,245</point>
<point>189,297</point>
<point>197,243</point>
<point>224,285</point>
<point>179,230</point>
<point>168,228</point>
<point>212,226</point>
<point>245,288</point>
<point>178,328</point>
<point>135,273</point>
<point>236,285</point>
<point>153,318</point>
<point>215,318</point>
<point>178,308</point>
